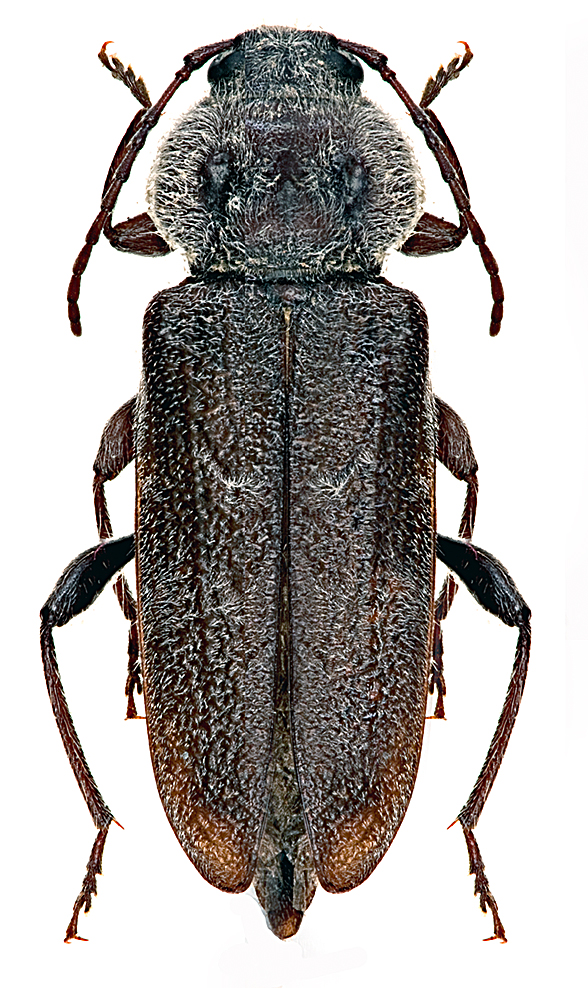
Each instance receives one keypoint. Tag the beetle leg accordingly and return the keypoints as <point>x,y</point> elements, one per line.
<point>78,586</point>
<point>428,123</point>
<point>128,77</point>
<point>121,165</point>
<point>445,74</point>
<point>138,235</point>
<point>115,452</point>
<point>455,452</point>
<point>433,235</point>
<point>491,585</point>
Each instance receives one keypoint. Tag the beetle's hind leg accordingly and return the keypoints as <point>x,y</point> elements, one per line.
<point>116,451</point>
<point>79,585</point>
<point>455,452</point>
<point>492,586</point>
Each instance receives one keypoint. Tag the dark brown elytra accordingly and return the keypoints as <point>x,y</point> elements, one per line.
<point>285,634</point>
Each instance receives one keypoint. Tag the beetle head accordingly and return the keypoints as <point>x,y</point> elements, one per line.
<point>285,170</point>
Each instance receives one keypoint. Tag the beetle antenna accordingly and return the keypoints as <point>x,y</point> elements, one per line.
<point>420,117</point>
<point>127,76</point>
<point>137,133</point>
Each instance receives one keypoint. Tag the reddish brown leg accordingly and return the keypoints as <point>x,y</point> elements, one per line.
<point>470,814</point>
<point>120,169</point>
<point>116,451</point>
<point>137,235</point>
<point>446,74</point>
<point>433,235</point>
<point>89,888</point>
<point>455,452</point>
<point>492,586</point>
<point>128,77</point>
<point>426,121</point>
<point>76,589</point>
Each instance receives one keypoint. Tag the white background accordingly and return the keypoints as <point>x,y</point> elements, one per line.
<point>415,922</point>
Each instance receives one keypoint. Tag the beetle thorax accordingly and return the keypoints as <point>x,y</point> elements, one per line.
<point>285,170</point>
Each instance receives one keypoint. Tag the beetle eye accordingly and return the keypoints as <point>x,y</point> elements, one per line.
<point>224,66</point>
<point>347,66</point>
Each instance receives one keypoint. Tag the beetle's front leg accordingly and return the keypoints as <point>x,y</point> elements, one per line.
<point>433,235</point>
<point>455,452</point>
<point>138,234</point>
<point>116,451</point>
<point>79,585</point>
<point>492,586</point>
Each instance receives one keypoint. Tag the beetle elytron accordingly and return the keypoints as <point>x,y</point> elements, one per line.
<point>285,438</point>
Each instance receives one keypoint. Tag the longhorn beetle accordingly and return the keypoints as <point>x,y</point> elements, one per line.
<point>285,434</point>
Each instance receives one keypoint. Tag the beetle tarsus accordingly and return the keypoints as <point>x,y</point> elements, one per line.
<point>134,681</point>
<point>84,899</point>
<point>481,886</point>
<point>446,74</point>
<point>126,76</point>
<point>437,679</point>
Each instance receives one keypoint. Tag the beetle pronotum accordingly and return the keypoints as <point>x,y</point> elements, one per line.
<point>285,437</point>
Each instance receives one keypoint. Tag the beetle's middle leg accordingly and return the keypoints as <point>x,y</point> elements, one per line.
<point>455,452</point>
<point>116,451</point>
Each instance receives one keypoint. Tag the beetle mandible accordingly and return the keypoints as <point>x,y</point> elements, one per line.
<point>285,436</point>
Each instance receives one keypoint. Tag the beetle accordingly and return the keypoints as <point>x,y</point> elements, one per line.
<point>285,633</point>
